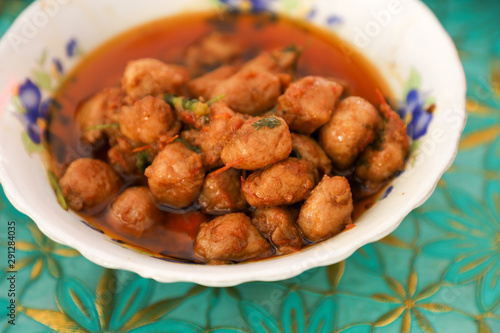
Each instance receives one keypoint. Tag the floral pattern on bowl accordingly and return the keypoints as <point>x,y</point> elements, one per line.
<point>33,101</point>
<point>416,109</point>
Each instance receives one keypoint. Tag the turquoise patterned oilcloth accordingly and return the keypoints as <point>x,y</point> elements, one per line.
<point>438,272</point>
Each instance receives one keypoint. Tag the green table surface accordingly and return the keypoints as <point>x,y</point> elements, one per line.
<point>438,272</point>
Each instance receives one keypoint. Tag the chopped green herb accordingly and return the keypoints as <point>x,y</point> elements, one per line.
<point>216,99</point>
<point>270,122</point>
<point>188,145</point>
<point>191,105</point>
<point>102,126</point>
<point>291,48</point>
<point>169,99</point>
<point>378,143</point>
<point>143,160</point>
<point>55,186</point>
<point>363,162</point>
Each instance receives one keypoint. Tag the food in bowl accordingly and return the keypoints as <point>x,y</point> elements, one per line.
<point>224,141</point>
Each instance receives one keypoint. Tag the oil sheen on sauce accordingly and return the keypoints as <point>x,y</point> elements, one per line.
<point>167,39</point>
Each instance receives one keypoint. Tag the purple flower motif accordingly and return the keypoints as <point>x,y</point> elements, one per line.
<point>312,14</point>
<point>387,192</point>
<point>92,227</point>
<point>257,5</point>
<point>58,66</point>
<point>37,110</point>
<point>260,5</point>
<point>35,133</point>
<point>71,48</point>
<point>30,98</point>
<point>179,261</point>
<point>420,118</point>
<point>334,20</point>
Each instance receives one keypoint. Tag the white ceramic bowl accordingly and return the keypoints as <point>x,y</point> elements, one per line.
<point>399,37</point>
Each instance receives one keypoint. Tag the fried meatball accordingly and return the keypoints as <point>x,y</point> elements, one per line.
<point>328,210</point>
<point>230,238</point>
<point>351,129</point>
<point>148,119</point>
<point>204,85</point>
<point>98,110</point>
<point>278,225</point>
<point>124,160</point>
<point>88,183</point>
<point>308,103</point>
<point>221,192</point>
<point>260,142</point>
<point>122,157</point>
<point>250,91</point>
<point>256,87</point>
<point>387,155</point>
<point>344,83</point>
<point>212,51</point>
<point>152,77</point>
<point>278,61</point>
<point>176,175</point>
<point>311,151</point>
<point>213,137</point>
<point>134,212</point>
<point>283,183</point>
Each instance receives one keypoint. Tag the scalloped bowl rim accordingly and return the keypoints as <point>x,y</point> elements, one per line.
<point>267,270</point>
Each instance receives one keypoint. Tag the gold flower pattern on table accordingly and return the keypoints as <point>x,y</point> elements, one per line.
<point>41,253</point>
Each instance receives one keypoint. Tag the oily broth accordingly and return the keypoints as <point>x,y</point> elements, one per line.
<point>324,55</point>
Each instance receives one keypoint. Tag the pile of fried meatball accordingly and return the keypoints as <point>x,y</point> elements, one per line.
<point>248,143</point>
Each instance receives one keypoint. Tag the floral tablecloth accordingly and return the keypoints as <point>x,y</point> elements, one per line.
<point>438,272</point>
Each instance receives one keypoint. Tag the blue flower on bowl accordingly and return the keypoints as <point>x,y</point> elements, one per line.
<point>30,99</point>
<point>334,20</point>
<point>417,108</point>
<point>72,48</point>
<point>57,68</point>
<point>253,5</point>
<point>415,113</point>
